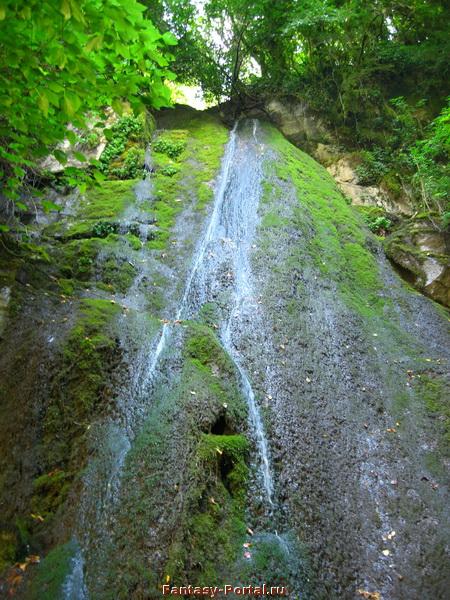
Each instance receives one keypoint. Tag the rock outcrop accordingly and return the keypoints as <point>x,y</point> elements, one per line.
<point>421,253</point>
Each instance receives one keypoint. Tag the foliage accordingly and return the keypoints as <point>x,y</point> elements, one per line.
<point>103,228</point>
<point>62,59</point>
<point>348,60</point>
<point>169,171</point>
<point>431,157</point>
<point>374,165</point>
<point>380,225</point>
<point>125,130</point>
<point>170,147</point>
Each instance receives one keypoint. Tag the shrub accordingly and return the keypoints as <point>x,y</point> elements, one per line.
<point>169,171</point>
<point>169,147</point>
<point>379,225</point>
<point>128,128</point>
<point>133,164</point>
<point>374,166</point>
<point>103,228</point>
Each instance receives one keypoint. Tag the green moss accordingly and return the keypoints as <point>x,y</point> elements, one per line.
<point>79,391</point>
<point>8,549</point>
<point>49,492</point>
<point>192,168</point>
<point>133,241</point>
<point>107,201</point>
<point>337,244</point>
<point>204,349</point>
<point>272,219</point>
<point>118,274</point>
<point>48,581</point>
<point>77,258</point>
<point>66,286</point>
<point>214,534</point>
<point>433,392</point>
<point>207,475</point>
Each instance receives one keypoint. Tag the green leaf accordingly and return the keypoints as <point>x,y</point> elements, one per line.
<point>98,176</point>
<point>2,13</point>
<point>71,136</point>
<point>71,103</point>
<point>43,103</point>
<point>76,11</point>
<point>169,39</point>
<point>79,156</point>
<point>60,156</point>
<point>21,206</point>
<point>117,106</point>
<point>4,228</point>
<point>65,9</point>
<point>94,43</point>
<point>48,206</point>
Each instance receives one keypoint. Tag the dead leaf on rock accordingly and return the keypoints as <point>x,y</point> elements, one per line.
<point>369,595</point>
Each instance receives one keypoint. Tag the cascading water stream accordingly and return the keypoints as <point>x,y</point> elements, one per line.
<point>227,240</point>
<point>225,245</point>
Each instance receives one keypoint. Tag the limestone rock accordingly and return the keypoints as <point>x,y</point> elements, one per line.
<point>421,253</point>
<point>297,123</point>
<point>343,171</point>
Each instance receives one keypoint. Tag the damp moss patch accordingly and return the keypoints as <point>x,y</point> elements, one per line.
<point>339,246</point>
<point>51,573</point>
<point>186,163</point>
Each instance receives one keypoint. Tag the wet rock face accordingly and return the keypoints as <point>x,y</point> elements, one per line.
<point>352,439</point>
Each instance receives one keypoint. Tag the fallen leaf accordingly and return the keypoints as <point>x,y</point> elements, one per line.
<point>369,595</point>
<point>386,552</point>
<point>219,451</point>
<point>225,405</point>
<point>308,380</point>
<point>247,555</point>
<point>391,430</point>
<point>249,531</point>
<point>193,393</point>
<point>246,545</point>
<point>37,517</point>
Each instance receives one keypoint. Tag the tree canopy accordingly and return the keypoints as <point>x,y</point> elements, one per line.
<point>64,59</point>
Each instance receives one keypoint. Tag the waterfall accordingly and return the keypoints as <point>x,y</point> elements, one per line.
<point>226,247</point>
<point>225,244</point>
